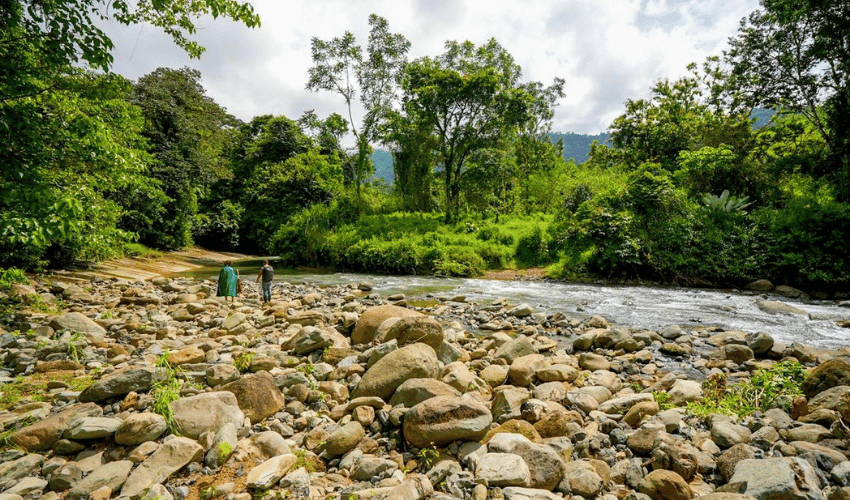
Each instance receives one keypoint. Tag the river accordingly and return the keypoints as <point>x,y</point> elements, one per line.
<point>641,307</point>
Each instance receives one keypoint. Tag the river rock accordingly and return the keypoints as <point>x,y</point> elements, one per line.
<point>371,319</point>
<point>789,478</point>
<point>257,395</point>
<point>413,391</point>
<point>45,433</point>
<point>663,484</point>
<point>515,348</point>
<point>13,470</point>
<point>343,440</point>
<point>836,398</point>
<point>774,307</point>
<point>545,467</point>
<point>502,469</point>
<point>413,329</point>
<point>640,410</point>
<point>384,377</point>
<point>832,373</point>
<point>727,433</point>
<point>112,475</point>
<point>120,383</point>
<point>593,362</point>
<point>623,403</point>
<point>76,322</point>
<point>759,342</point>
<point>523,370</point>
<point>205,412</point>
<point>730,458</point>
<point>443,419</point>
<point>138,428</point>
<point>91,428</point>
<point>684,391</point>
<point>170,457</point>
<point>761,285</point>
<point>580,478</point>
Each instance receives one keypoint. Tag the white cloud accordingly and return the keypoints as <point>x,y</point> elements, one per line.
<point>607,51</point>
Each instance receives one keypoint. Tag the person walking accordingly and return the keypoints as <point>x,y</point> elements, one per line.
<point>267,275</point>
<point>228,282</point>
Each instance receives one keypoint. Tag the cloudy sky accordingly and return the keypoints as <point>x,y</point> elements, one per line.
<point>607,51</point>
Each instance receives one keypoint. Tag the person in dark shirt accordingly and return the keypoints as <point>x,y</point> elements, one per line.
<point>267,275</point>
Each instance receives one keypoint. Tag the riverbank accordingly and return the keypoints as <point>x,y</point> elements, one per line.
<point>142,389</point>
<point>146,268</point>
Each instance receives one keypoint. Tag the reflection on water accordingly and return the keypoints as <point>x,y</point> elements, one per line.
<point>628,306</point>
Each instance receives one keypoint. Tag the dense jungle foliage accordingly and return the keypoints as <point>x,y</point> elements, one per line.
<point>687,190</point>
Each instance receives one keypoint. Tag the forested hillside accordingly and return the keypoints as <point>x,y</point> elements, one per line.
<point>690,185</point>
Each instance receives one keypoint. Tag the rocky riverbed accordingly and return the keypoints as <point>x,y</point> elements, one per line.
<point>156,389</point>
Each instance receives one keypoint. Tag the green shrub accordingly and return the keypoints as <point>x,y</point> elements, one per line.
<point>9,277</point>
<point>764,390</point>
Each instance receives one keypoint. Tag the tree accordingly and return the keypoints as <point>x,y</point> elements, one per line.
<point>278,171</point>
<point>339,67</point>
<point>533,148</point>
<point>186,132</point>
<point>41,40</point>
<point>412,147</point>
<point>48,117</point>
<point>64,155</point>
<point>794,56</point>
<point>470,97</point>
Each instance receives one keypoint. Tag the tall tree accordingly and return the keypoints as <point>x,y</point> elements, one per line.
<point>339,66</point>
<point>43,43</point>
<point>186,130</point>
<point>40,40</point>
<point>412,147</point>
<point>64,154</point>
<point>470,97</point>
<point>533,148</point>
<point>794,56</point>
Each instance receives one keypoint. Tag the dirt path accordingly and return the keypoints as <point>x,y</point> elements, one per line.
<point>137,268</point>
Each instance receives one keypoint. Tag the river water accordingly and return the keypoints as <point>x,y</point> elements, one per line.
<point>639,307</point>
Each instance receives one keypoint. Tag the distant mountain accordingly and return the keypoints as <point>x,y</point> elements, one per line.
<point>762,117</point>
<point>383,162</point>
<point>577,146</point>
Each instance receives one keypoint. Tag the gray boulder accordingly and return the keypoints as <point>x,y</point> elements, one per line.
<point>443,419</point>
<point>788,478</point>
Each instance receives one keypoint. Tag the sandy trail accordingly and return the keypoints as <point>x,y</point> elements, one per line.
<point>136,268</point>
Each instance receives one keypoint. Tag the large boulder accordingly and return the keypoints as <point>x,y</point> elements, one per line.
<point>836,399</point>
<point>416,390</point>
<point>343,440</point>
<point>207,411</point>
<point>515,348</point>
<point>788,478</point>
<point>662,484</point>
<point>386,375</point>
<point>112,475</point>
<point>413,329</point>
<point>545,466</point>
<point>46,432</point>
<point>443,419</point>
<point>168,458</point>
<point>371,319</point>
<point>257,395</point>
<point>832,373</point>
<point>77,322</point>
<point>120,383</point>
<point>776,307</point>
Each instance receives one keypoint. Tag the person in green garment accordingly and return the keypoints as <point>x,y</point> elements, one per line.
<point>228,282</point>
